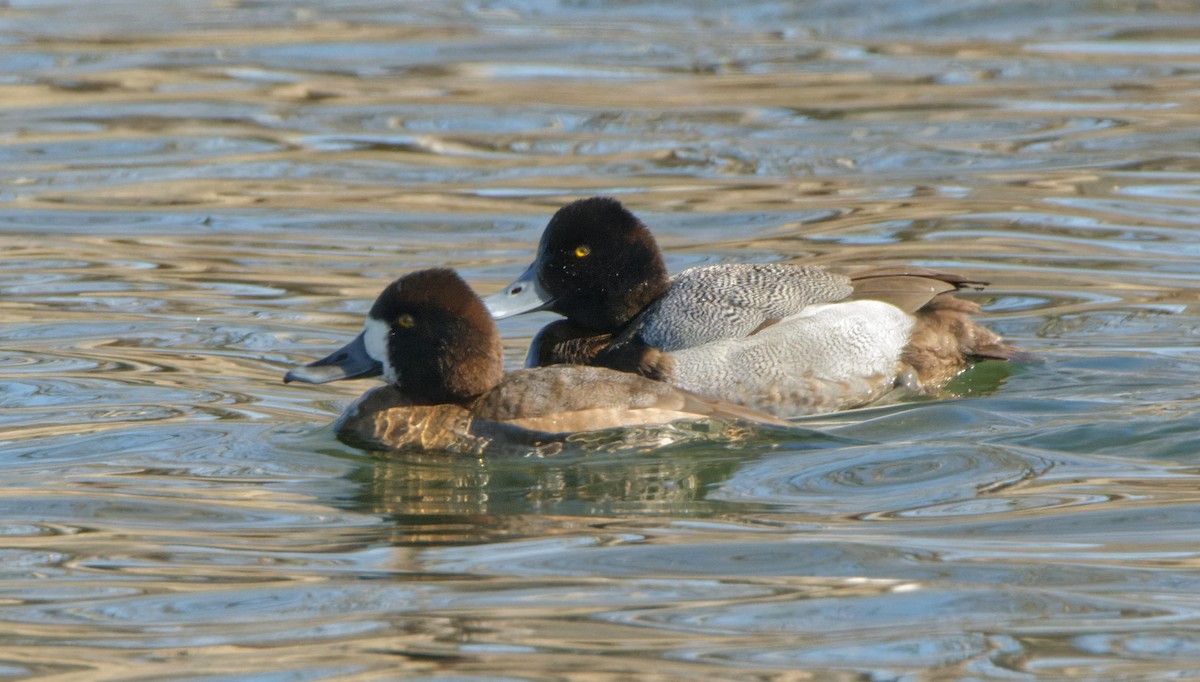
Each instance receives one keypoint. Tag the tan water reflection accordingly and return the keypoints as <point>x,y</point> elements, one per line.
<point>196,196</point>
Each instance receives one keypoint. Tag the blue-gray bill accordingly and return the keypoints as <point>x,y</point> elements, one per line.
<point>348,362</point>
<point>524,295</point>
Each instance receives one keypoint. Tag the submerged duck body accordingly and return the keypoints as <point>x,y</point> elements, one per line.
<point>788,339</point>
<point>433,341</point>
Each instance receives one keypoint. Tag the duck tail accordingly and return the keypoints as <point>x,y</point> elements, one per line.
<point>946,340</point>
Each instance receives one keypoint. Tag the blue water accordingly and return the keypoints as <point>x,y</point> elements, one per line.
<point>196,197</point>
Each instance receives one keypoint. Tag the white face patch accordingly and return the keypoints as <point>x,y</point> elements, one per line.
<point>375,338</point>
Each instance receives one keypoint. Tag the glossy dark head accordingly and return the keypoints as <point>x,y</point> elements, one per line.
<point>429,335</point>
<point>597,264</point>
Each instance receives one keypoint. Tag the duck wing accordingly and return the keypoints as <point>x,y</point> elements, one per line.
<point>574,398</point>
<point>909,287</point>
<point>728,301</point>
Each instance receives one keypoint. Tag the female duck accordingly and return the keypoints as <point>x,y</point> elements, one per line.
<point>788,339</point>
<point>433,341</point>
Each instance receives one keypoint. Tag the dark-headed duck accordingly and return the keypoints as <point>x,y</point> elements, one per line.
<point>433,341</point>
<point>787,339</point>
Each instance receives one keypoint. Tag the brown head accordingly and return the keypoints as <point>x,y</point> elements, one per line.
<point>429,335</point>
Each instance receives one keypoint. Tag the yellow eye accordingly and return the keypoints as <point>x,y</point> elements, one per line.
<point>405,321</point>
<point>582,250</point>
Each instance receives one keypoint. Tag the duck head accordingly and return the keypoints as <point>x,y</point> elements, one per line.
<point>596,264</point>
<point>428,335</point>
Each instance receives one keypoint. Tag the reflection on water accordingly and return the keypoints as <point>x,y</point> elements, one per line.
<point>197,196</point>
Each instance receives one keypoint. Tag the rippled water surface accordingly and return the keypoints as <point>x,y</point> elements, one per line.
<point>195,196</point>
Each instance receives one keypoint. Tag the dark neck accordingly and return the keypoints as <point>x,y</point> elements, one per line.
<point>607,309</point>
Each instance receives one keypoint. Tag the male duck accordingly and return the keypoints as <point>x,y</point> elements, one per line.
<point>787,339</point>
<point>434,342</point>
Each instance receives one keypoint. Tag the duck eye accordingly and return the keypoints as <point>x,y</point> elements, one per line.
<point>582,250</point>
<point>405,321</point>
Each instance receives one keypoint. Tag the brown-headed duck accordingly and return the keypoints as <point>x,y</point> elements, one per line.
<point>433,341</point>
<point>784,338</point>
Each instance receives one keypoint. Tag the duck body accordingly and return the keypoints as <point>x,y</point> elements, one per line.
<point>432,339</point>
<point>795,367</point>
<point>529,409</point>
<point>784,338</point>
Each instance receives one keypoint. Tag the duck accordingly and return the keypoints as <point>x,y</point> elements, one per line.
<point>789,339</point>
<point>429,336</point>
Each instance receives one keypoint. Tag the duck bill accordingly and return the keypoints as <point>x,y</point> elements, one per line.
<point>524,295</point>
<point>348,362</point>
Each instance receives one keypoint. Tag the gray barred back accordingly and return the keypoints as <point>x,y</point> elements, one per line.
<point>715,302</point>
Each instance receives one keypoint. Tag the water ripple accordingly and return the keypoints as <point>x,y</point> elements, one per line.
<point>201,197</point>
<point>910,609</point>
<point>886,480</point>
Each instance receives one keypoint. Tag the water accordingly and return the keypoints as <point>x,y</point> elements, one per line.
<point>197,196</point>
